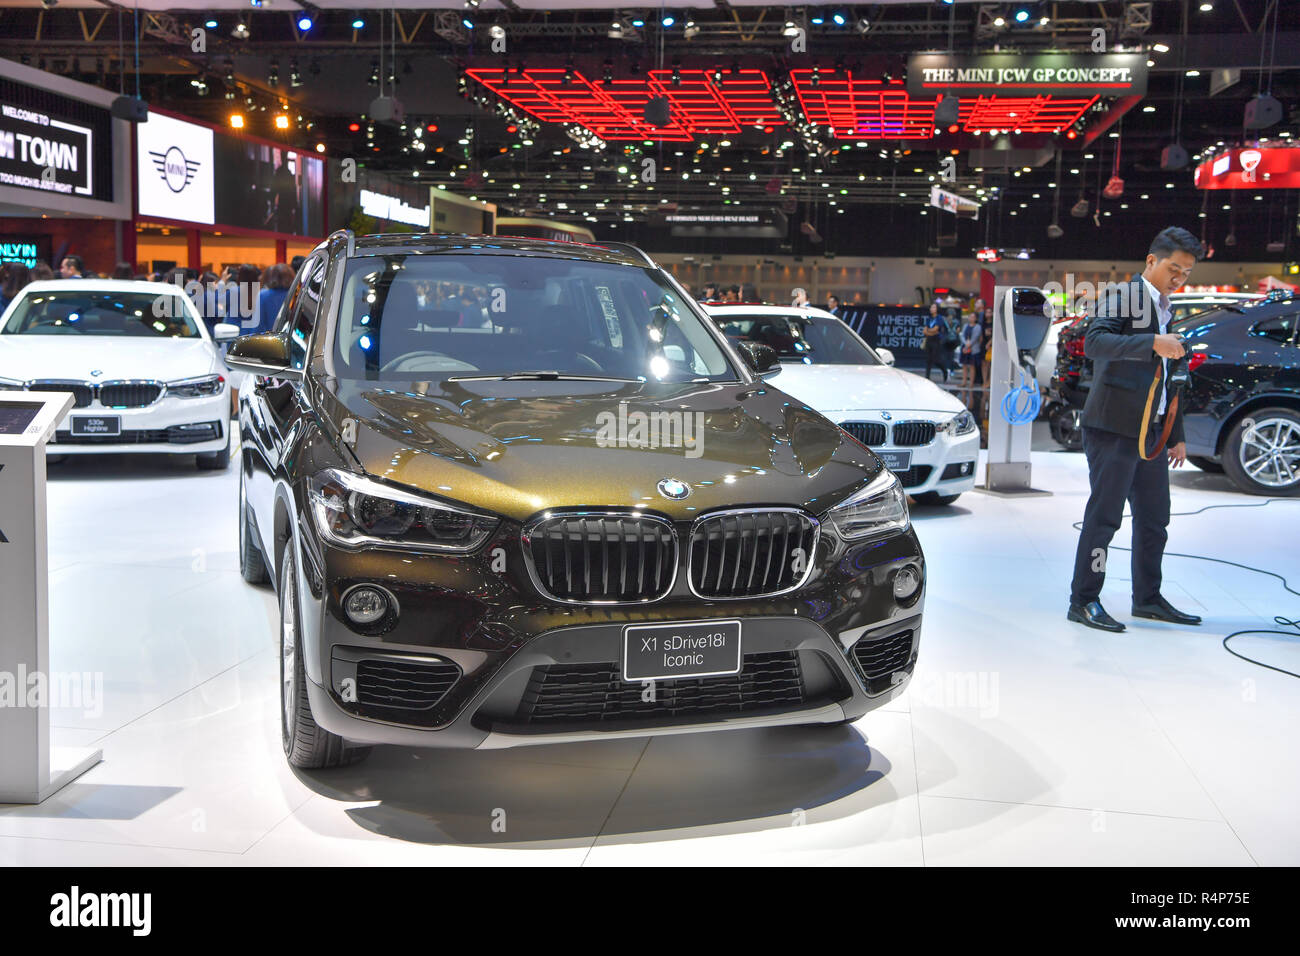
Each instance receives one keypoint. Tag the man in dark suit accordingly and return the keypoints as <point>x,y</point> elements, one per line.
<point>1129,343</point>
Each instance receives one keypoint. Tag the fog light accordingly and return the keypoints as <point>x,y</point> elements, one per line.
<point>366,605</point>
<point>906,581</point>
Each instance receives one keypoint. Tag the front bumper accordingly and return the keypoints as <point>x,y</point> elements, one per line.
<point>170,426</point>
<point>945,465</point>
<point>516,669</point>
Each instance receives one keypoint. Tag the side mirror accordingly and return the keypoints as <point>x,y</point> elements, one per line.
<point>761,358</point>
<point>225,332</point>
<point>886,356</point>
<point>262,354</point>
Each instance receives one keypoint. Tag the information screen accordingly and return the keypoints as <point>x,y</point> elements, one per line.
<point>14,419</point>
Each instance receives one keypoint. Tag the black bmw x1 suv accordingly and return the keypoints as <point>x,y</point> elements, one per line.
<point>514,492</point>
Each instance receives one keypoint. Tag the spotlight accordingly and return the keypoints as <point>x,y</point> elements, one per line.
<point>358,23</point>
<point>295,77</point>
<point>497,31</point>
<point>607,73</point>
<point>817,19</point>
<point>200,85</point>
<point>1022,15</point>
<point>863,25</point>
<point>210,24</point>
<point>668,21</point>
<point>638,22</point>
<point>305,23</point>
<point>467,23</point>
<point>690,29</point>
<point>1161,48</point>
<point>241,31</point>
<point>273,74</point>
<point>1071,133</point>
<point>236,120</point>
<point>789,30</point>
<point>281,120</point>
<point>1207,7</point>
<point>354,127</point>
<point>839,19</point>
<point>374,73</point>
<point>615,30</point>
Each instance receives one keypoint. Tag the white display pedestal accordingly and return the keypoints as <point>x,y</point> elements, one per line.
<point>30,770</point>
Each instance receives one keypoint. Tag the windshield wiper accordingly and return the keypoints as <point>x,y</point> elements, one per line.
<point>544,375</point>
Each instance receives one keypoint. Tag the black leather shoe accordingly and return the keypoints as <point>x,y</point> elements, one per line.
<point>1093,615</point>
<point>1162,610</point>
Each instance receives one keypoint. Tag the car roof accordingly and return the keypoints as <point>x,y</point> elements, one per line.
<point>438,243</point>
<point>97,285</point>
<point>759,309</point>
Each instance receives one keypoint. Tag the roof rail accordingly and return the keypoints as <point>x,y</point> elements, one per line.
<point>347,234</point>
<point>630,249</point>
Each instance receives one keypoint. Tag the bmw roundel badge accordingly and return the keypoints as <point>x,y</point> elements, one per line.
<point>673,488</point>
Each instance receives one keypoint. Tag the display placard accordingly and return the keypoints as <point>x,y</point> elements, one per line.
<point>174,170</point>
<point>1021,74</point>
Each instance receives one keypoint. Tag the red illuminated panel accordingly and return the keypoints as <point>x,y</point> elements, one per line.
<point>868,109</point>
<point>1263,167</point>
<point>871,109</point>
<point>1029,114</point>
<point>614,111</point>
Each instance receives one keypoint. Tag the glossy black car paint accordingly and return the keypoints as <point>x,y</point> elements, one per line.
<point>495,625</point>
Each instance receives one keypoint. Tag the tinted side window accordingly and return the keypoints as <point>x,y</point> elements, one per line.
<point>1280,328</point>
<point>311,286</point>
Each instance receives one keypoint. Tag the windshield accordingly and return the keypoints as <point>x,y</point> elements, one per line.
<point>446,316</point>
<point>799,338</point>
<point>90,312</point>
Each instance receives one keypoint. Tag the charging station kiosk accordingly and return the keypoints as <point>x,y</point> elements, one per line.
<point>1021,319</point>
<point>30,768</point>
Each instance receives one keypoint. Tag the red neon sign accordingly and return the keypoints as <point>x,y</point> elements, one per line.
<point>614,110</point>
<point>875,109</point>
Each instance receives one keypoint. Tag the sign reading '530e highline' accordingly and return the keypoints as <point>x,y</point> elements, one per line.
<point>1087,74</point>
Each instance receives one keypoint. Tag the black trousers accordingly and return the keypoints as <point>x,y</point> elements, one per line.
<point>1117,474</point>
<point>934,356</point>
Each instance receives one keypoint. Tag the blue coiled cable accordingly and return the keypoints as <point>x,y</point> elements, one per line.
<point>1011,402</point>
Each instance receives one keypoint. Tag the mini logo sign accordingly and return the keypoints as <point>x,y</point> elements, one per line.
<point>673,488</point>
<point>176,171</point>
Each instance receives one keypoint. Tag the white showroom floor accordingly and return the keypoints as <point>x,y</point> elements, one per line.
<point>1024,739</point>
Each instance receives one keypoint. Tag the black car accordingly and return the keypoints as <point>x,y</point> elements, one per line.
<point>467,469</point>
<point>1241,412</point>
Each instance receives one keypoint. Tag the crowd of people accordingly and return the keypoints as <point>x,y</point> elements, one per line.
<point>245,295</point>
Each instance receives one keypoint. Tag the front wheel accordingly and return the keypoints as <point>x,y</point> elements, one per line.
<point>215,460</point>
<point>306,744</point>
<point>1066,427</point>
<point>1262,453</point>
<point>934,498</point>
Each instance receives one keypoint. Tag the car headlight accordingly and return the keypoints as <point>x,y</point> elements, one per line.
<point>201,387</point>
<point>11,385</point>
<point>880,507</point>
<point>355,512</point>
<point>963,423</point>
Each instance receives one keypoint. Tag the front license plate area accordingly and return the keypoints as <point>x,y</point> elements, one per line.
<point>896,460</point>
<point>680,649</point>
<point>97,425</point>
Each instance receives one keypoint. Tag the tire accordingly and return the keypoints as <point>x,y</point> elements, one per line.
<point>307,745</point>
<point>215,460</point>
<point>1262,453</point>
<point>934,498</point>
<point>1208,465</point>
<point>1065,427</point>
<point>252,566</point>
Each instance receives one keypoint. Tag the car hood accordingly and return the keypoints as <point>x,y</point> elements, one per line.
<point>76,357</point>
<point>517,448</point>
<point>856,388</point>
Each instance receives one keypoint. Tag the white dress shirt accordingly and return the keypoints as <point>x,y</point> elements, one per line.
<point>1164,312</point>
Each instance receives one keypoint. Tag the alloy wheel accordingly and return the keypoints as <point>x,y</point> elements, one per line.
<point>1270,452</point>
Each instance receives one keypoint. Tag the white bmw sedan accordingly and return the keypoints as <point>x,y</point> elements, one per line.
<point>137,357</point>
<point>925,435</point>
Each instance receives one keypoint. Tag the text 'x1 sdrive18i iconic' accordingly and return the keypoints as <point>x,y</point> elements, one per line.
<point>513,491</point>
